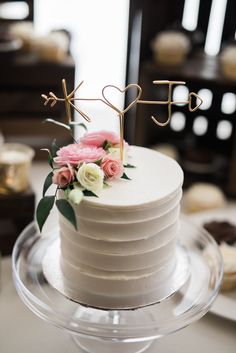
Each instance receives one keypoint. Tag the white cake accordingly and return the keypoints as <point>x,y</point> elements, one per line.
<point>123,254</point>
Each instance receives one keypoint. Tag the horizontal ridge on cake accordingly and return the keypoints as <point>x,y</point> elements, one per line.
<point>125,244</point>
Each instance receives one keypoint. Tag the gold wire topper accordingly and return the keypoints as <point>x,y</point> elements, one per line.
<point>70,98</point>
<point>121,113</point>
<point>169,101</point>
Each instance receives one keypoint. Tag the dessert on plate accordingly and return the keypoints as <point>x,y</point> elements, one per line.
<point>224,233</point>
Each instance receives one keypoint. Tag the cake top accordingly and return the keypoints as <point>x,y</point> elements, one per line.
<point>155,178</point>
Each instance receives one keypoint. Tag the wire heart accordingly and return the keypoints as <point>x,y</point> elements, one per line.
<point>192,94</point>
<point>134,101</point>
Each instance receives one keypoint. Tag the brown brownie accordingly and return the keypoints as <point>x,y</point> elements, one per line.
<point>222,231</point>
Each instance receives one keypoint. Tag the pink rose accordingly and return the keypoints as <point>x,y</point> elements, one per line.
<point>63,176</point>
<point>75,153</point>
<point>112,168</point>
<point>98,138</point>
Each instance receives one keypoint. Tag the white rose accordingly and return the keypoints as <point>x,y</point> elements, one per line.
<point>90,176</point>
<point>115,153</point>
<point>76,196</point>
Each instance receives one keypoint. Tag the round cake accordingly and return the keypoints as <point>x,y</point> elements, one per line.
<point>123,254</point>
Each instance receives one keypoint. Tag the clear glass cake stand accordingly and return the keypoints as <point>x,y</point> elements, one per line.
<point>115,331</point>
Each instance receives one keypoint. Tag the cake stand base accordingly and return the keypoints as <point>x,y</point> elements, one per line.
<point>100,345</point>
<point>89,345</point>
<point>115,331</point>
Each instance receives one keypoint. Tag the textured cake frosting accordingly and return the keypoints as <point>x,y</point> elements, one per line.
<point>123,254</point>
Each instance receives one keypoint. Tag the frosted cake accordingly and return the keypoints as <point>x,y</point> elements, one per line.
<point>118,211</point>
<point>123,253</point>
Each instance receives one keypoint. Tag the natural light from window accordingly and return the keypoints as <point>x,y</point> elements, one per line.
<point>99,43</point>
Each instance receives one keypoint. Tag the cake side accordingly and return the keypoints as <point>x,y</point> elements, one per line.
<point>124,249</point>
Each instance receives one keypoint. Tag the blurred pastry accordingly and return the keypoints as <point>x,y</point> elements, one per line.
<point>53,47</point>
<point>167,149</point>
<point>228,61</point>
<point>24,31</point>
<point>224,233</point>
<point>203,196</point>
<point>170,47</point>
<point>228,253</point>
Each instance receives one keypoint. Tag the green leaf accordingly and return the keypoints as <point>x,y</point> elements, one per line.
<point>44,207</point>
<point>124,176</point>
<point>98,162</point>
<point>50,160</point>
<point>89,193</point>
<point>129,166</point>
<point>106,145</point>
<point>65,208</point>
<point>58,123</point>
<point>47,183</point>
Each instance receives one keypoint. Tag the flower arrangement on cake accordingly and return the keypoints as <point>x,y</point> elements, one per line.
<point>81,169</point>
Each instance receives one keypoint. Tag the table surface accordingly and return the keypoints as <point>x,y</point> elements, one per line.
<point>22,331</point>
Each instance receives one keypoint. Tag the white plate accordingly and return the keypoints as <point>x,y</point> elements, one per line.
<point>225,303</point>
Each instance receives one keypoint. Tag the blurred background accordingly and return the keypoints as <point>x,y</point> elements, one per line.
<point>42,43</point>
<point>191,41</point>
<point>118,42</point>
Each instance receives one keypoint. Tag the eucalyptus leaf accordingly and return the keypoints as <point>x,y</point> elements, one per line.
<point>43,209</point>
<point>124,176</point>
<point>89,193</point>
<point>65,208</point>
<point>47,183</point>
<point>58,123</point>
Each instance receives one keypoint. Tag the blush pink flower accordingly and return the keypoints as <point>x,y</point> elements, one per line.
<point>98,138</point>
<point>75,153</point>
<point>63,176</point>
<point>112,168</point>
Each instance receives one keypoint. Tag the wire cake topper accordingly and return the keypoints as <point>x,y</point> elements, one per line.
<point>69,101</point>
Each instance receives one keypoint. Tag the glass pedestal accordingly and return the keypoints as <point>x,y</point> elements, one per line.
<point>115,331</point>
